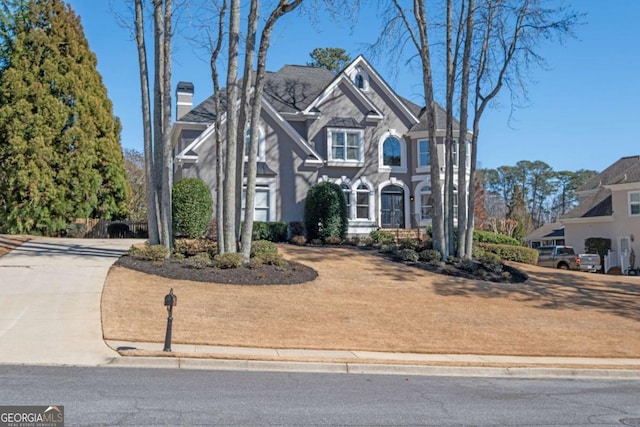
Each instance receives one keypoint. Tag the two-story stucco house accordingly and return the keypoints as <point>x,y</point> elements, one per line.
<point>609,207</point>
<point>350,128</point>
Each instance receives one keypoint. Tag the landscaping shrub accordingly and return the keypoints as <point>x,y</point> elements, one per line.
<point>191,247</point>
<point>260,248</point>
<point>192,207</point>
<point>273,259</point>
<point>481,236</point>
<point>296,228</point>
<point>429,255</point>
<point>598,245</point>
<point>382,237</point>
<point>299,240</point>
<point>212,231</point>
<point>333,240</point>
<point>407,255</point>
<point>229,260</point>
<point>468,265</point>
<point>201,260</point>
<point>512,253</point>
<point>149,252</point>
<point>272,231</point>
<point>325,212</point>
<point>76,230</point>
<point>491,262</point>
<point>414,244</point>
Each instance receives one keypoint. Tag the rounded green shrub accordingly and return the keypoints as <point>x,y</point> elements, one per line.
<point>260,248</point>
<point>149,252</point>
<point>229,260</point>
<point>325,212</point>
<point>192,208</point>
<point>407,255</point>
<point>481,236</point>
<point>382,237</point>
<point>429,255</point>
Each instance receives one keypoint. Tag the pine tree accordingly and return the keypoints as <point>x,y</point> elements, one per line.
<point>60,154</point>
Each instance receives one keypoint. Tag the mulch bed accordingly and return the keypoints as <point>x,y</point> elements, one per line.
<point>293,274</point>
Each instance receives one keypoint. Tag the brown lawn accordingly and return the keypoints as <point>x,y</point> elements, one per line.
<point>362,302</point>
<point>9,242</point>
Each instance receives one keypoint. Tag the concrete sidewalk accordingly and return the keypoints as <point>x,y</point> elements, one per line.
<point>367,362</point>
<point>51,291</point>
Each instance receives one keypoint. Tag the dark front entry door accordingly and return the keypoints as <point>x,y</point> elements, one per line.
<point>392,207</point>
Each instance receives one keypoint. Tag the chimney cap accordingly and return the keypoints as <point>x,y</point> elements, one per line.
<point>185,87</point>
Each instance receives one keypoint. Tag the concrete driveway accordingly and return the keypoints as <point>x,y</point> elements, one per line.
<point>50,291</point>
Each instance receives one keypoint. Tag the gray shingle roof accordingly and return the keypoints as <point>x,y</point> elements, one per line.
<point>441,120</point>
<point>290,90</point>
<point>598,204</point>
<point>625,170</point>
<point>295,87</point>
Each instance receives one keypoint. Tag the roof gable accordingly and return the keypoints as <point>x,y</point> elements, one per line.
<point>626,170</point>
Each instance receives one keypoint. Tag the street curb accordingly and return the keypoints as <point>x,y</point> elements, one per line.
<point>369,369</point>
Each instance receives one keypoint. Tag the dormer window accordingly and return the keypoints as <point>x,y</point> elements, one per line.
<point>361,79</point>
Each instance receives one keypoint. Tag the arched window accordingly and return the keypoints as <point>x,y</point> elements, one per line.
<point>391,152</point>
<point>426,203</point>
<point>359,81</point>
<point>362,202</point>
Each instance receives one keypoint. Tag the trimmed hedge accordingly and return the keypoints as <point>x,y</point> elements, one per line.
<point>271,231</point>
<point>192,208</point>
<point>512,253</point>
<point>481,236</point>
<point>325,212</point>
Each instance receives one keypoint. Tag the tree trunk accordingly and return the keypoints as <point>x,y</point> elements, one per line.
<point>218,140</point>
<point>229,219</point>
<point>282,8</point>
<point>151,199</point>
<point>167,158</point>
<point>465,188</point>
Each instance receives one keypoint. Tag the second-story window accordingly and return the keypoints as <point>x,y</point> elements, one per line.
<point>424,156</point>
<point>391,152</point>
<point>345,147</point>
<point>634,203</point>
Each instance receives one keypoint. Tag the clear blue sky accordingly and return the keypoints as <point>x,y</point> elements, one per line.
<point>583,111</point>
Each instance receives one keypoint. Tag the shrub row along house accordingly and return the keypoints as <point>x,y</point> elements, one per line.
<point>351,129</point>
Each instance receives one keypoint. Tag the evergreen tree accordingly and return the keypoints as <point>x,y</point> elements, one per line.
<point>332,58</point>
<point>60,154</point>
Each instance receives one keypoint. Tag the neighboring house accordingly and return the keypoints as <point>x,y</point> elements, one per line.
<point>549,234</point>
<point>351,129</point>
<point>609,207</point>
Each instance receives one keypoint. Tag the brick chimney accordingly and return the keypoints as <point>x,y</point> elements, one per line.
<point>184,99</point>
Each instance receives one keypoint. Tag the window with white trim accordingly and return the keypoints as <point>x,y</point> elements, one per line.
<point>424,156</point>
<point>262,204</point>
<point>345,147</point>
<point>362,201</point>
<point>391,152</point>
<point>426,203</point>
<point>634,203</point>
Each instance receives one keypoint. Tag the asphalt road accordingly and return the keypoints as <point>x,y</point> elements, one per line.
<point>150,397</point>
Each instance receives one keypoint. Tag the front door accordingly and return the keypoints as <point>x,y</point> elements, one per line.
<point>392,207</point>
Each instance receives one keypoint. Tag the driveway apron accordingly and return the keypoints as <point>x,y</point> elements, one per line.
<point>50,291</point>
